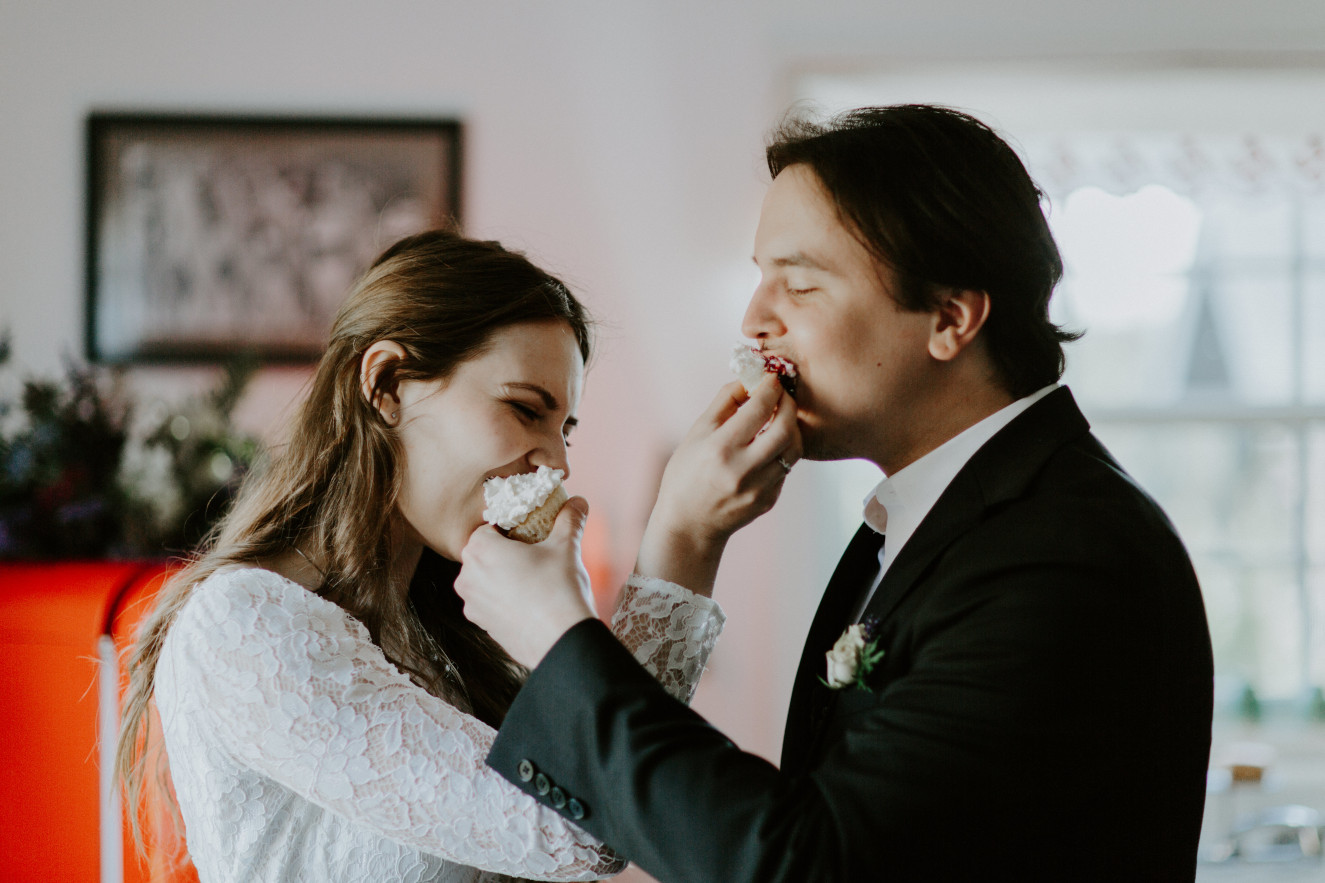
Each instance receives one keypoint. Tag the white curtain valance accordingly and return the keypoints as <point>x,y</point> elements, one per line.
<point>1193,165</point>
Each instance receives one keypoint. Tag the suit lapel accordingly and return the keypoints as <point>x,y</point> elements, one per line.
<point>809,697</point>
<point>1000,471</point>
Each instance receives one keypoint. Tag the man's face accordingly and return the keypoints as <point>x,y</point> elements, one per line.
<point>826,304</point>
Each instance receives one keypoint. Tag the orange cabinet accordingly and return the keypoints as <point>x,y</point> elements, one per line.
<point>63,627</point>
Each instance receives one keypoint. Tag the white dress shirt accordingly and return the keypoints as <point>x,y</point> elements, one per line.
<point>901,501</point>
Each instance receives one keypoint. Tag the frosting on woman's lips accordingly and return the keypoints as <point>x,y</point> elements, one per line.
<point>509,501</point>
<point>750,365</point>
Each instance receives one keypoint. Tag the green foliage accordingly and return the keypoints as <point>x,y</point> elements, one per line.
<point>58,491</point>
<point>75,483</point>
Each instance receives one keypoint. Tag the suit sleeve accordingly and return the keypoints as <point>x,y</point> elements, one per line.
<point>592,722</point>
<point>680,800</point>
<point>997,701</point>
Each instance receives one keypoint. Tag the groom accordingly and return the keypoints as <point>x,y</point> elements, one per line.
<point>1039,702</point>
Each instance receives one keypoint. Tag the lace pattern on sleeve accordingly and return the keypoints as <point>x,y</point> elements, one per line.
<point>670,630</point>
<point>292,687</point>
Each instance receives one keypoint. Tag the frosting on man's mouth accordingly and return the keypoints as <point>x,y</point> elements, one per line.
<point>750,365</point>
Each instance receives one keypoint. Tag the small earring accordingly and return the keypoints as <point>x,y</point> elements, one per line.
<point>395,414</point>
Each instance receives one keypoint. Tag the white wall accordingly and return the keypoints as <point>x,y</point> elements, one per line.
<point>616,141</point>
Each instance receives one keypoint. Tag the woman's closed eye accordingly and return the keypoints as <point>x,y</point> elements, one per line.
<point>528,412</point>
<point>533,414</point>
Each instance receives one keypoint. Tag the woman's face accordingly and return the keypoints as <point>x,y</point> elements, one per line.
<point>506,411</point>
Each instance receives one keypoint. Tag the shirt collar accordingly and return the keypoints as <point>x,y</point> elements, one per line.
<point>900,502</point>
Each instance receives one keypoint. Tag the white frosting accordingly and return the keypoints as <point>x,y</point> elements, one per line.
<point>748,366</point>
<point>510,500</point>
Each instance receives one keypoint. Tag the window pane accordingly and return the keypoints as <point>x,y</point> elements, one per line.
<point>1253,327</point>
<point>1314,537</point>
<point>1312,338</point>
<point>1249,227</point>
<point>1123,367</point>
<point>1127,283</point>
<point>1230,490</point>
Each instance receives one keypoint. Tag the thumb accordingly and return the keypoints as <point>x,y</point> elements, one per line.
<point>570,520</point>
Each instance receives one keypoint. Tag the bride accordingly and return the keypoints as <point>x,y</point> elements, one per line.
<point>324,706</point>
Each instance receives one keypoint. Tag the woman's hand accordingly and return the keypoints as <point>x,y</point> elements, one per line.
<point>727,472</point>
<point>527,596</point>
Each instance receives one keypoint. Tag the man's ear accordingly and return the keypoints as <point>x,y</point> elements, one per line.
<point>381,355</point>
<point>957,320</point>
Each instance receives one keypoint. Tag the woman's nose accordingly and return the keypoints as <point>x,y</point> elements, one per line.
<point>554,455</point>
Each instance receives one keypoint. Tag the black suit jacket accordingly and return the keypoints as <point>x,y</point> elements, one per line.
<point>1042,711</point>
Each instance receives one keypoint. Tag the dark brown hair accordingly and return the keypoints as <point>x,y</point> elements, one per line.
<point>941,200</point>
<point>331,491</point>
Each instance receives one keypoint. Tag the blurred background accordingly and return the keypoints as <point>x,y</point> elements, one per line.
<point>1181,146</point>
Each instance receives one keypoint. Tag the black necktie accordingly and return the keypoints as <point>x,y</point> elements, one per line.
<point>868,586</point>
<point>854,577</point>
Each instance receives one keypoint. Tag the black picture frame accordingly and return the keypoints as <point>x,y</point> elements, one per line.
<point>212,235</point>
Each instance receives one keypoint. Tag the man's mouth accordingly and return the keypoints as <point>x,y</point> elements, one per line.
<point>750,364</point>
<point>784,368</point>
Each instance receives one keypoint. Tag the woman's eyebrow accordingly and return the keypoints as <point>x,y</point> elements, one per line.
<point>549,400</point>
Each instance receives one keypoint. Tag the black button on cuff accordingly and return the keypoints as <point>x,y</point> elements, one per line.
<point>526,770</point>
<point>574,809</point>
<point>542,783</point>
<point>557,797</point>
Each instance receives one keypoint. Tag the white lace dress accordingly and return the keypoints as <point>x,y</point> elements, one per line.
<point>299,753</point>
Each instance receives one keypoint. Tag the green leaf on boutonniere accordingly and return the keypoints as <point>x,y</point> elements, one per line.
<point>854,656</point>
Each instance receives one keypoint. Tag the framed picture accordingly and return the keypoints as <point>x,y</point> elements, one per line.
<point>211,235</point>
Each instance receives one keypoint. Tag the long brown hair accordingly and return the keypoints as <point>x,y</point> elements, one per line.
<point>331,491</point>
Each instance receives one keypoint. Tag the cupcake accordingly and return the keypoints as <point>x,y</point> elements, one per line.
<point>525,506</point>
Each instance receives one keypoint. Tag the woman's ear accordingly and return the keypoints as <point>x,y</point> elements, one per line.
<point>381,356</point>
<point>957,320</point>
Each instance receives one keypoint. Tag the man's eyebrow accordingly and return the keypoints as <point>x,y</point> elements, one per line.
<point>549,400</point>
<point>797,259</point>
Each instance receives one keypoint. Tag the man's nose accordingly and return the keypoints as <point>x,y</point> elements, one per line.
<point>761,319</point>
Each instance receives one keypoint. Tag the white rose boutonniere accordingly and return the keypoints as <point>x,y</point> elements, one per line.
<point>854,656</point>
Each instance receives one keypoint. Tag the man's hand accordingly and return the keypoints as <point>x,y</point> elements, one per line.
<point>727,472</point>
<point>526,597</point>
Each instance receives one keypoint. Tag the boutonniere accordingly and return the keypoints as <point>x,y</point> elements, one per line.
<point>854,656</point>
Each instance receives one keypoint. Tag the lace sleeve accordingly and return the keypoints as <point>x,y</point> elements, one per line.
<point>297,691</point>
<point>670,630</point>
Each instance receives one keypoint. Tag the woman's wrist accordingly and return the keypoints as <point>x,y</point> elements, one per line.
<point>546,634</point>
<point>683,556</point>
